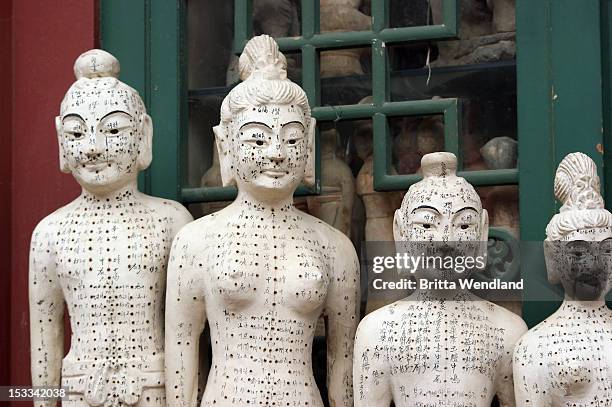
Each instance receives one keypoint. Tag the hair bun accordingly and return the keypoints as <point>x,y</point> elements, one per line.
<point>576,183</point>
<point>261,58</point>
<point>96,63</point>
<point>440,164</point>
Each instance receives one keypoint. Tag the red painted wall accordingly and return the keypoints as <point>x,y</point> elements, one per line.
<point>47,37</point>
<point>6,94</point>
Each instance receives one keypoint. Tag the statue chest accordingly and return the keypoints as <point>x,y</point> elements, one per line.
<point>271,267</point>
<point>449,343</point>
<point>129,247</point>
<point>578,360</point>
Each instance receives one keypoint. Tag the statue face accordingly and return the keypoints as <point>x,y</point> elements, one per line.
<point>104,136</point>
<point>269,148</point>
<point>442,218</point>
<point>582,263</point>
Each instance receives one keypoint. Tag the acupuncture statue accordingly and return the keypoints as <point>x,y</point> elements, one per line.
<point>104,254</point>
<point>566,359</point>
<point>259,271</point>
<point>441,345</point>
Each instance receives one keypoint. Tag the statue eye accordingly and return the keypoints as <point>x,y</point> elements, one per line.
<point>114,131</point>
<point>259,142</point>
<point>292,141</point>
<point>75,135</point>
<point>464,226</point>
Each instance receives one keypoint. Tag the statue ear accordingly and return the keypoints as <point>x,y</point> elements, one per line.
<point>310,172</point>
<point>59,128</point>
<point>145,146</point>
<point>551,255</point>
<point>484,234</point>
<point>225,158</point>
<point>398,223</point>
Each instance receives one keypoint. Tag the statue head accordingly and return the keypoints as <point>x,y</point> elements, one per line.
<point>266,135</point>
<point>104,132</point>
<point>443,214</point>
<point>578,246</point>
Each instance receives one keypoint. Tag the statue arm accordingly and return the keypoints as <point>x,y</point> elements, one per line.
<point>529,377</point>
<point>185,320</point>
<point>342,311</point>
<point>46,311</point>
<point>515,327</point>
<point>370,371</point>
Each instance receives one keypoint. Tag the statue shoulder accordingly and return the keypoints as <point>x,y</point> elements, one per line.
<point>54,220</point>
<point>513,325</point>
<point>175,211</point>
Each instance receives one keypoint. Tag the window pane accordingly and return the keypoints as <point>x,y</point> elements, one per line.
<point>346,76</point>
<point>409,13</point>
<point>344,15</point>
<point>210,29</point>
<point>277,18</point>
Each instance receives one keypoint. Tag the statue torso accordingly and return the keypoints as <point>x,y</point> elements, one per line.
<point>573,350</point>
<point>111,258</point>
<point>440,353</point>
<point>266,280</point>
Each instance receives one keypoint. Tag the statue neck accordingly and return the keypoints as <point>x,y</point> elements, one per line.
<point>441,294</point>
<point>274,203</point>
<point>573,306</point>
<point>127,191</point>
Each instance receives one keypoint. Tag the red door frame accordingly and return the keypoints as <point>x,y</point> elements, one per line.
<point>44,39</point>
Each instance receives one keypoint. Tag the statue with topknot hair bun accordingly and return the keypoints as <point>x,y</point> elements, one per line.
<point>261,272</point>
<point>104,255</point>
<point>441,345</point>
<point>572,346</point>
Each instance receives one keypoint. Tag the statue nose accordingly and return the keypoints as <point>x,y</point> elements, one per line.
<point>276,151</point>
<point>95,145</point>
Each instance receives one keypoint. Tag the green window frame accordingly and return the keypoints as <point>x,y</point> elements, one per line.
<point>564,103</point>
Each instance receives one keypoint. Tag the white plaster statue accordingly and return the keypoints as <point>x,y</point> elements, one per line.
<point>342,15</point>
<point>260,271</point>
<point>335,206</point>
<point>437,347</point>
<point>105,253</point>
<point>566,360</point>
<point>486,32</point>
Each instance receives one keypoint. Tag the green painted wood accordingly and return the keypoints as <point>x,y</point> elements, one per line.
<point>560,104</point>
<point>380,73</point>
<point>606,38</point>
<point>124,33</point>
<point>215,194</point>
<point>536,139</point>
<point>380,15</point>
<point>310,18</point>
<point>168,96</point>
<point>577,78</point>
<point>482,178</point>
<point>243,25</point>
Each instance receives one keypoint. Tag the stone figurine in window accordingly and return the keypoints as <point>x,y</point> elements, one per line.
<point>260,271</point>
<point>487,31</point>
<point>566,360</point>
<point>104,254</point>
<point>439,346</point>
<point>342,15</point>
<point>335,205</point>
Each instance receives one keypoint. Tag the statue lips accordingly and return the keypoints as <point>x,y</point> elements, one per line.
<point>95,165</point>
<point>589,285</point>
<point>274,172</point>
